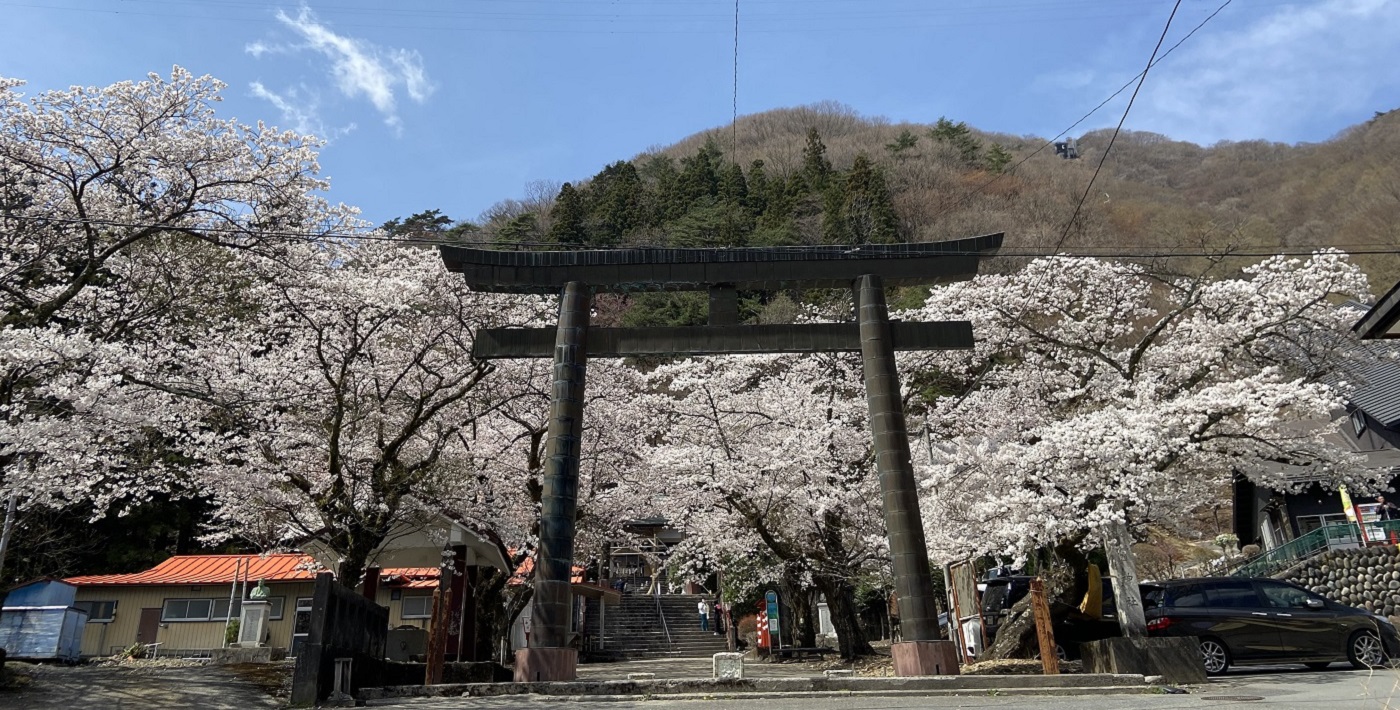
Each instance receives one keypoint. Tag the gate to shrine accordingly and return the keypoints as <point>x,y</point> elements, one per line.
<point>865,269</point>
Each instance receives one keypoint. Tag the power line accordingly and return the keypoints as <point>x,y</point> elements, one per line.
<point>780,22</point>
<point>1142,78</point>
<point>734,105</point>
<point>975,191</point>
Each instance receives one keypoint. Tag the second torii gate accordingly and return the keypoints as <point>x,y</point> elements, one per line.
<point>866,269</point>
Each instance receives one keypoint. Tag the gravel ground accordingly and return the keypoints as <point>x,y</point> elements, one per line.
<point>139,685</point>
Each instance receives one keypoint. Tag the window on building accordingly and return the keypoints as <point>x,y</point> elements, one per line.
<point>212,609</point>
<point>189,609</point>
<point>98,612</point>
<point>419,607</point>
<point>1358,422</point>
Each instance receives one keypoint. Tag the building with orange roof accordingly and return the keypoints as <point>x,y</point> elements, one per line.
<point>183,603</point>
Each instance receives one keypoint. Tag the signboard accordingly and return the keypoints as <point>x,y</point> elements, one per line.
<point>774,634</point>
<point>966,620</point>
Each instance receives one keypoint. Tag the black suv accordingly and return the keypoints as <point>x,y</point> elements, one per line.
<point>1263,621</point>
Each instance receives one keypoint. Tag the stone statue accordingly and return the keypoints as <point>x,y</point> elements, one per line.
<point>260,591</point>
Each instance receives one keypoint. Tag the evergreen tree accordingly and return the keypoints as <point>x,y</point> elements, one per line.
<point>616,203</point>
<point>429,225</point>
<point>757,187</point>
<point>663,201</point>
<point>901,147</point>
<point>568,217</point>
<point>997,158</point>
<point>700,174</point>
<point>860,210</point>
<point>772,207</point>
<point>522,229</point>
<point>733,187</point>
<point>816,169</point>
<point>960,137</point>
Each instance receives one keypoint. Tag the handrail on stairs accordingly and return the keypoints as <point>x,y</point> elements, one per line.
<point>664,626</point>
<point>1316,541</point>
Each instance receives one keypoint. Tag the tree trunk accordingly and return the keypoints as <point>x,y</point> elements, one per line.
<point>799,613</point>
<point>1064,589</point>
<point>841,602</point>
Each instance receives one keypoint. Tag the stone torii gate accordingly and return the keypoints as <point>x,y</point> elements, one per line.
<point>866,269</point>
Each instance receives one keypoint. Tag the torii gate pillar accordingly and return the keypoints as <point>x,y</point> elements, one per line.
<point>549,657</point>
<point>921,652</point>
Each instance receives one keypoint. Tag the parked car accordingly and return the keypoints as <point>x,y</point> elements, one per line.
<point>1003,592</point>
<point>1242,621</point>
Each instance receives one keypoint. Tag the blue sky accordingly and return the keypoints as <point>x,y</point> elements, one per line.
<point>457,104</point>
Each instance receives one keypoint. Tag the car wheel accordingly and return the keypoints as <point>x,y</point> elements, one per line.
<point>1214,656</point>
<point>1318,665</point>
<point>1364,650</point>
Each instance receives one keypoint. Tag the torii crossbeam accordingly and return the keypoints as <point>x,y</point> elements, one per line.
<point>866,269</point>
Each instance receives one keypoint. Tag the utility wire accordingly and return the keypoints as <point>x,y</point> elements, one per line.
<point>974,192</point>
<point>1034,287</point>
<point>734,105</point>
<point>1142,78</point>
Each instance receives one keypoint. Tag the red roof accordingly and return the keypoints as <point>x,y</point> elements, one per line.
<point>409,577</point>
<point>527,567</point>
<point>212,569</point>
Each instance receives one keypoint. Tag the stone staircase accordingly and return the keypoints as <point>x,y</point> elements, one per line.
<point>634,629</point>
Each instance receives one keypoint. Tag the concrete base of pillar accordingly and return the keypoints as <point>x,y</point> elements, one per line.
<point>534,665</point>
<point>1176,658</point>
<point>916,658</point>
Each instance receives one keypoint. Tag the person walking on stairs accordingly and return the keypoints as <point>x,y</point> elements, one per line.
<point>704,608</point>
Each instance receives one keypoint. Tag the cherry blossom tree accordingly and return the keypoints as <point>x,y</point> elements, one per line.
<point>1099,394</point>
<point>769,456</point>
<point>334,410</point>
<point>106,196</point>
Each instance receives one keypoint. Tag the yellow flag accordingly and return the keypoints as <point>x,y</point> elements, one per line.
<point>1093,596</point>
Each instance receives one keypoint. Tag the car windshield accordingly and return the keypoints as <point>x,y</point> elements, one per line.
<point>994,599</point>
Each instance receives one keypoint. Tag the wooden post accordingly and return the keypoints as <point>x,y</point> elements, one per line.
<point>1049,660</point>
<point>437,638</point>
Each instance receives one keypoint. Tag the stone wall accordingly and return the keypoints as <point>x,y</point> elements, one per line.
<point>1364,578</point>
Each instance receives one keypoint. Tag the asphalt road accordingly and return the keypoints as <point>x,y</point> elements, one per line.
<point>1337,689</point>
<point>58,688</point>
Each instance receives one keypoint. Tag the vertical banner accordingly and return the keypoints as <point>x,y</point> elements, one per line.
<point>1353,512</point>
<point>774,630</point>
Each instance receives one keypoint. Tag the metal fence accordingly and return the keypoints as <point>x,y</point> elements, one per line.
<point>1332,536</point>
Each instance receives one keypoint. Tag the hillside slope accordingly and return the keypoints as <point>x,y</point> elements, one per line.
<point>943,181</point>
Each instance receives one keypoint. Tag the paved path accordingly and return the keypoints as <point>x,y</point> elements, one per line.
<point>126,688</point>
<point>686,668</point>
<point>1274,689</point>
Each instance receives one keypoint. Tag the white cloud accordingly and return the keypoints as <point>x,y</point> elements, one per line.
<point>300,112</point>
<point>359,69</point>
<point>1283,76</point>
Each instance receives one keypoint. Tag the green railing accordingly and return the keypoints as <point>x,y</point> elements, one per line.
<point>1301,548</point>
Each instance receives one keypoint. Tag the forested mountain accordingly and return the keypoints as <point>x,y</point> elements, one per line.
<point>825,174</point>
